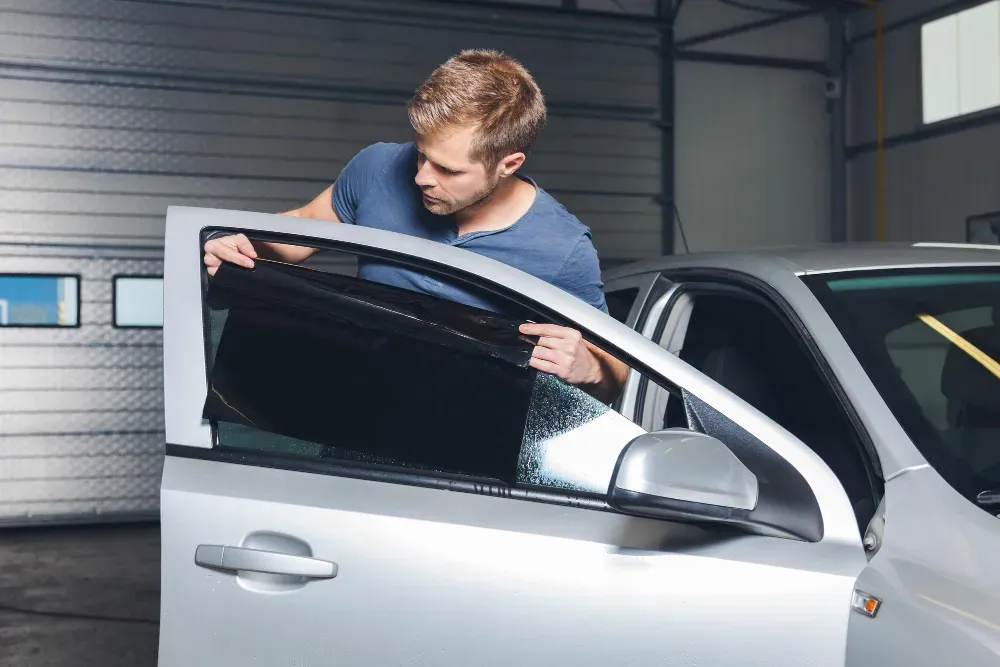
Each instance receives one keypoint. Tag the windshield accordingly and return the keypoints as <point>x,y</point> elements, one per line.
<point>930,340</point>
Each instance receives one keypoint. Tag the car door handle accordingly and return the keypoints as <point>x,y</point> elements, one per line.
<point>257,560</point>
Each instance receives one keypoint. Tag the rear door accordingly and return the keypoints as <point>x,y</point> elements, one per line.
<point>359,475</point>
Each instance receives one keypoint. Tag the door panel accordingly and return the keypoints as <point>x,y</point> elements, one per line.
<point>448,567</point>
<point>448,578</point>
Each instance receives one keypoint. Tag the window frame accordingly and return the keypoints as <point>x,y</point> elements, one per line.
<point>79,300</point>
<point>114,300</point>
<point>748,286</point>
<point>641,282</point>
<point>402,474</point>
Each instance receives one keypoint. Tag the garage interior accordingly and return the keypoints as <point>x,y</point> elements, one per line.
<point>674,126</point>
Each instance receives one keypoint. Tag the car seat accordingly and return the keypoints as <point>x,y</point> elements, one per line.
<point>973,395</point>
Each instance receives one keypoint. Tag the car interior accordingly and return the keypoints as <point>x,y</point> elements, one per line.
<point>742,344</point>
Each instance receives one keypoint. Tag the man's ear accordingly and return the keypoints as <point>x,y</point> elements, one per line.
<point>511,164</point>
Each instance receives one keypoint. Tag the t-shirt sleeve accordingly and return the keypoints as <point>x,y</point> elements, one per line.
<point>357,178</point>
<point>581,274</point>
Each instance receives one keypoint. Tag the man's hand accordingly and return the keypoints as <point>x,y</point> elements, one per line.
<point>235,248</point>
<point>563,352</point>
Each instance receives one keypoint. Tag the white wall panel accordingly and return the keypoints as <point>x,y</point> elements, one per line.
<point>752,157</point>
<point>752,143</point>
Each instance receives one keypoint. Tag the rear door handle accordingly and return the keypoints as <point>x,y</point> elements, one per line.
<point>257,560</point>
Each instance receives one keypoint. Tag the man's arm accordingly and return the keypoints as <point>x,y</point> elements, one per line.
<point>238,249</point>
<point>320,208</point>
<point>614,372</point>
<point>349,190</point>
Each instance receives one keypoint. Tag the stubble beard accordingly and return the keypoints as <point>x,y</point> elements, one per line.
<point>451,208</point>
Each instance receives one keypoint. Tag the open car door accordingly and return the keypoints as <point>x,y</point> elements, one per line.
<point>358,474</point>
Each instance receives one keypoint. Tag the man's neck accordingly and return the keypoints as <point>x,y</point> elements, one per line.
<point>500,210</point>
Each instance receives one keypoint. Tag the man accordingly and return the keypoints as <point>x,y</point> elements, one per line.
<point>475,119</point>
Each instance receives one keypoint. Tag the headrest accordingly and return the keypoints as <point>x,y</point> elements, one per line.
<point>967,381</point>
<point>739,373</point>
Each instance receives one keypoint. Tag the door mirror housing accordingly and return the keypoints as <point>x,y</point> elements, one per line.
<point>681,474</point>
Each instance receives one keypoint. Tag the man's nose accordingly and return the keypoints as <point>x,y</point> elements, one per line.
<point>425,176</point>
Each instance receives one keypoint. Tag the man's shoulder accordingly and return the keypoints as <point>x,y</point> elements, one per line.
<point>559,221</point>
<point>385,153</point>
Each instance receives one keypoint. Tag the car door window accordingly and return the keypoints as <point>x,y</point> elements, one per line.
<point>742,343</point>
<point>334,367</point>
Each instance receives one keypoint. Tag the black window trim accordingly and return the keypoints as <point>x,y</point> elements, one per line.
<point>114,300</point>
<point>79,299</point>
<point>723,280</point>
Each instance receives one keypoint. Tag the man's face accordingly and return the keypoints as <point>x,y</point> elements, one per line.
<point>448,179</point>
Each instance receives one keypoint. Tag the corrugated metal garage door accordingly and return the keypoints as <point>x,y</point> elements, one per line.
<point>81,408</point>
<point>110,110</point>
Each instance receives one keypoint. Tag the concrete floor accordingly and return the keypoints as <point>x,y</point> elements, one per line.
<point>80,596</point>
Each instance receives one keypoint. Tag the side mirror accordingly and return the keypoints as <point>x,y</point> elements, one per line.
<point>680,474</point>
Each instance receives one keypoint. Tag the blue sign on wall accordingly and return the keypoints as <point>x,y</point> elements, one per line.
<point>39,301</point>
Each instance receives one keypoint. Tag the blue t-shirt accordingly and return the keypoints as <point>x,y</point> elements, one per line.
<point>377,189</point>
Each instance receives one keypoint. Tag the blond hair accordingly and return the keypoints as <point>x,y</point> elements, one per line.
<point>487,89</point>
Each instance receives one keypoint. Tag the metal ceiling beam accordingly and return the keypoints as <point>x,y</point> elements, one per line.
<point>843,5</point>
<point>696,56</point>
<point>567,8</point>
<point>746,27</point>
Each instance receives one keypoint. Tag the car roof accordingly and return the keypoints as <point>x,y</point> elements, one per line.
<point>823,258</point>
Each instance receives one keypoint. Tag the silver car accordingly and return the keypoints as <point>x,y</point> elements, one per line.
<point>803,467</point>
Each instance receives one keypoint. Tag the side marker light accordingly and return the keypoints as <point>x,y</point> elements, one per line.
<point>866,604</point>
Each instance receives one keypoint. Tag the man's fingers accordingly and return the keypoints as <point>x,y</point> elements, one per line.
<point>244,246</point>
<point>228,253</point>
<point>563,344</point>
<point>544,366</point>
<point>556,357</point>
<point>550,330</point>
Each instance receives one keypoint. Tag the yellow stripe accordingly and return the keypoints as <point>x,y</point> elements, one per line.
<point>986,360</point>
